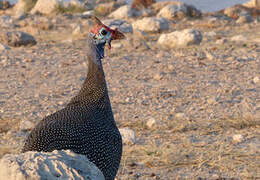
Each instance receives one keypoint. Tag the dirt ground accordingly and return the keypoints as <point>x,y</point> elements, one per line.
<point>205,99</point>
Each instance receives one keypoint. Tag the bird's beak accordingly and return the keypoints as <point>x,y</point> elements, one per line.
<point>115,35</point>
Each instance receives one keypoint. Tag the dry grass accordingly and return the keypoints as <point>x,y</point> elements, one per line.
<point>197,149</point>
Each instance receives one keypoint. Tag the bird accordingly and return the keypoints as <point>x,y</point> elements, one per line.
<point>86,124</point>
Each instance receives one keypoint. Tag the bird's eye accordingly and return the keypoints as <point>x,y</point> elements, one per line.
<point>103,32</point>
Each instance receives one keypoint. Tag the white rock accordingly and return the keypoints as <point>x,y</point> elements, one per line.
<point>123,12</point>
<point>122,25</point>
<point>151,123</point>
<point>151,24</point>
<point>171,11</point>
<point>46,6</point>
<point>26,125</point>
<point>238,138</point>
<point>238,38</point>
<point>23,6</point>
<point>256,80</point>
<point>180,38</point>
<point>54,165</point>
<point>128,135</point>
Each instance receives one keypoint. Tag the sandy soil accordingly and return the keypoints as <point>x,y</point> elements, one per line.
<point>205,99</point>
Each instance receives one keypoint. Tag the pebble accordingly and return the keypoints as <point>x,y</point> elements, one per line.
<point>238,138</point>
<point>221,41</point>
<point>210,55</point>
<point>128,136</point>
<point>170,67</point>
<point>211,100</point>
<point>180,115</point>
<point>158,76</point>
<point>151,123</point>
<point>26,125</point>
<point>256,80</point>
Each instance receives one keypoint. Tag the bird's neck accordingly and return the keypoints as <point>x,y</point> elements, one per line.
<point>94,89</point>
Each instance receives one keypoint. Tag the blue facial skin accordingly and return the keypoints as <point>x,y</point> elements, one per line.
<point>101,50</point>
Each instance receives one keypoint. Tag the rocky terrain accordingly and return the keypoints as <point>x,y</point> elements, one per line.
<point>184,86</point>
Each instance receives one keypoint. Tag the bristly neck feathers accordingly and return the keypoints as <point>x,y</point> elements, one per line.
<point>94,89</point>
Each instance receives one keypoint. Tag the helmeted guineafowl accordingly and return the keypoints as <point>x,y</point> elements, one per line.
<point>86,125</point>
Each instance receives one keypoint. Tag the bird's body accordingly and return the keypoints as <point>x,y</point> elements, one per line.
<point>86,125</point>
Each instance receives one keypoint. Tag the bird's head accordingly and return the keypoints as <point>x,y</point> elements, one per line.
<point>103,34</point>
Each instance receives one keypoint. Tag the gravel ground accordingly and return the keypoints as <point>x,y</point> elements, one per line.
<point>205,100</point>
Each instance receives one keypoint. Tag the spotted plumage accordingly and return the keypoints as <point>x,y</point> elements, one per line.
<point>86,125</point>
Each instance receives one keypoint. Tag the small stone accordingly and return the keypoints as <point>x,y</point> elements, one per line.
<point>26,125</point>
<point>209,55</point>
<point>128,135</point>
<point>211,100</point>
<point>231,58</point>
<point>158,76</point>
<point>238,138</point>
<point>180,115</point>
<point>171,67</point>
<point>256,80</point>
<point>215,176</point>
<point>221,41</point>
<point>61,103</point>
<point>151,123</point>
